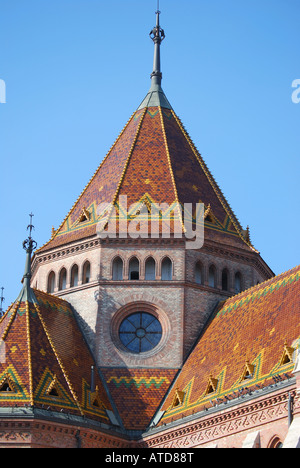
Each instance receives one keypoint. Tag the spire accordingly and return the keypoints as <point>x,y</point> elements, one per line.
<point>2,299</point>
<point>156,96</point>
<point>157,35</point>
<point>29,245</point>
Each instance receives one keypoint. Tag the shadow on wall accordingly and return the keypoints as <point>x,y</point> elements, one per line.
<point>136,393</point>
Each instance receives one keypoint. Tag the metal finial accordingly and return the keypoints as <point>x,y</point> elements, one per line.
<point>2,299</point>
<point>157,35</point>
<point>30,226</point>
<point>157,11</point>
<point>30,244</point>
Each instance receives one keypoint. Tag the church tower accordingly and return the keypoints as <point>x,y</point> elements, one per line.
<point>143,295</point>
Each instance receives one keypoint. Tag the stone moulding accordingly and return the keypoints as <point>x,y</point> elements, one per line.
<point>226,423</point>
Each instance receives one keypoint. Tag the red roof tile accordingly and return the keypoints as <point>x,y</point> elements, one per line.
<point>45,360</point>
<point>153,157</point>
<point>254,329</point>
<point>138,393</point>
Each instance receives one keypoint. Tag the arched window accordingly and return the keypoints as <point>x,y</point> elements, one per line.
<point>74,276</point>
<point>134,269</point>
<point>150,269</point>
<point>238,282</point>
<point>166,269</point>
<point>51,282</point>
<point>275,443</point>
<point>62,279</point>
<point>117,269</point>
<point>212,276</point>
<point>199,273</point>
<point>86,272</point>
<point>225,280</point>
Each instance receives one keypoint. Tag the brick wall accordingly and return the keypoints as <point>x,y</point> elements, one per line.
<point>181,304</point>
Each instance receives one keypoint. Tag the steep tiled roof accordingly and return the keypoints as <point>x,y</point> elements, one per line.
<point>153,158</point>
<point>45,361</point>
<point>138,393</point>
<point>250,340</point>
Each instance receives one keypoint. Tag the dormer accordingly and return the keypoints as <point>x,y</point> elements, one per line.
<point>248,371</point>
<point>287,355</point>
<point>212,385</point>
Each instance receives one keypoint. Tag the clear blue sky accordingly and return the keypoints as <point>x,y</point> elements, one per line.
<point>75,71</point>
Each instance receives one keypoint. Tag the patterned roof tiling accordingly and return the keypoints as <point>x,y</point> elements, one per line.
<point>101,188</point>
<point>247,336</point>
<point>149,170</point>
<point>137,393</point>
<point>155,157</point>
<point>45,360</point>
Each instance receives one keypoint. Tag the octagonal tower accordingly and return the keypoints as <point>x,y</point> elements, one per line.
<point>143,295</point>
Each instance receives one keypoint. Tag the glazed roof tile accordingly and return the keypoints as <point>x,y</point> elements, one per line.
<point>138,393</point>
<point>152,157</point>
<point>45,360</point>
<point>243,346</point>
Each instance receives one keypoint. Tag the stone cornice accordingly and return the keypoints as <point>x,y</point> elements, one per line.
<point>225,251</point>
<point>201,429</point>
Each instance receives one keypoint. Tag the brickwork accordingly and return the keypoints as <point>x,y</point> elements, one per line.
<point>168,302</point>
<point>35,433</point>
<point>184,303</point>
<point>265,417</point>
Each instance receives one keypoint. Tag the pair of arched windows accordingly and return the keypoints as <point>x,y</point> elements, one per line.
<point>134,269</point>
<point>212,275</point>
<point>237,281</point>
<point>212,278</point>
<point>74,278</point>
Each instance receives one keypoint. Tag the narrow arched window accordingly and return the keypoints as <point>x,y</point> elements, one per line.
<point>276,443</point>
<point>238,282</point>
<point>225,280</point>
<point>86,272</point>
<point>51,282</point>
<point>134,269</point>
<point>212,276</point>
<point>150,269</point>
<point>198,273</point>
<point>62,279</point>
<point>166,269</point>
<point>74,276</point>
<point>117,269</point>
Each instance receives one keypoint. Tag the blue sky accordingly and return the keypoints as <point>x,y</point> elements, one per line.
<point>75,71</point>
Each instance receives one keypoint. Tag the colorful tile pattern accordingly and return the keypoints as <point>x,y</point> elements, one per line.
<point>138,393</point>
<point>246,337</point>
<point>45,360</point>
<point>154,157</point>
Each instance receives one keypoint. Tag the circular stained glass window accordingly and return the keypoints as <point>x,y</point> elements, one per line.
<point>140,332</point>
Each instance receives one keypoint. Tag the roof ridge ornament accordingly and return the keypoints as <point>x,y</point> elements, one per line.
<point>29,245</point>
<point>2,299</point>
<point>157,35</point>
<point>156,97</point>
